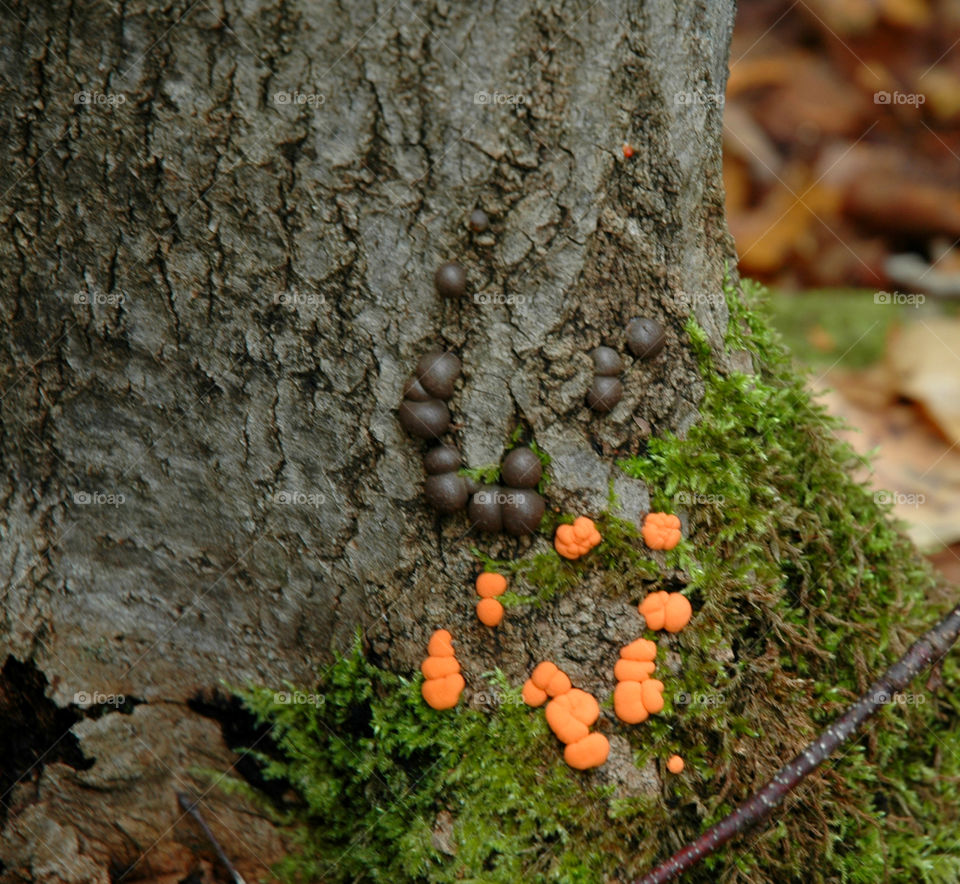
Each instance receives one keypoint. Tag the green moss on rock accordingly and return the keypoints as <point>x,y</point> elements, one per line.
<point>803,591</point>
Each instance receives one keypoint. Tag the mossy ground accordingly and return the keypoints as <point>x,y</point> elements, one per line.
<point>803,592</point>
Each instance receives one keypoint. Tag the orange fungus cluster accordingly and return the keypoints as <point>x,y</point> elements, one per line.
<point>573,541</point>
<point>442,681</point>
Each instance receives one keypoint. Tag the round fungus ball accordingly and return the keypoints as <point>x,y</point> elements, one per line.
<point>442,459</point>
<point>485,510</point>
<point>675,764</point>
<point>446,492</point>
<point>451,280</point>
<point>437,373</point>
<point>522,509</point>
<point>645,337</point>
<point>479,221</point>
<point>607,361</point>
<point>414,390</point>
<point>426,420</point>
<point>521,468</point>
<point>604,393</point>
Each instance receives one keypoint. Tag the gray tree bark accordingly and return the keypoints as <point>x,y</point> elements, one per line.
<point>221,223</point>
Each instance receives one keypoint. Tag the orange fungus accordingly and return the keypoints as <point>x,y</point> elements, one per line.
<point>675,764</point>
<point>490,612</point>
<point>573,541</point>
<point>591,751</point>
<point>490,585</point>
<point>661,530</point>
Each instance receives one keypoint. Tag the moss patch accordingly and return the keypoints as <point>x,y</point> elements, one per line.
<point>803,591</point>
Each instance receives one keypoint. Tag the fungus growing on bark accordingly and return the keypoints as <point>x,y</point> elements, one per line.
<point>675,764</point>
<point>485,510</point>
<point>490,585</point>
<point>451,280</point>
<point>489,612</point>
<point>437,372</point>
<point>522,510</point>
<point>607,362</point>
<point>426,420</point>
<point>573,541</point>
<point>521,468</point>
<point>645,337</point>
<point>592,751</point>
<point>442,459</point>
<point>479,221</point>
<point>604,393</point>
<point>446,492</point>
<point>442,681</point>
<point>666,610</point>
<point>661,530</point>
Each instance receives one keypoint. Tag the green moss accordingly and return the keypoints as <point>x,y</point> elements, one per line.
<point>803,591</point>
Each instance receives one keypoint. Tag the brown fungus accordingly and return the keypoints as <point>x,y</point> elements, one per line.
<point>442,459</point>
<point>607,361</point>
<point>437,373</point>
<point>645,337</point>
<point>479,221</point>
<point>451,280</point>
<point>485,509</point>
<point>604,393</point>
<point>523,509</point>
<point>426,420</point>
<point>446,492</point>
<point>521,468</point>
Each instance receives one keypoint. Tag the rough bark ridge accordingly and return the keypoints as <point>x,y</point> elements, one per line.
<point>213,290</point>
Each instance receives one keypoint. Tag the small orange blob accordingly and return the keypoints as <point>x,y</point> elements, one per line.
<point>490,585</point>
<point>677,612</point>
<point>439,667</point>
<point>583,706</point>
<point>573,541</point>
<point>666,610</point>
<point>490,612</point>
<point>633,670</point>
<point>628,150</point>
<point>661,530</point>
<point>675,764</point>
<point>628,702</point>
<point>558,684</point>
<point>642,649</point>
<point>441,644</point>
<point>591,751</point>
<point>542,674</point>
<point>532,695</point>
<point>562,722</point>
<point>443,693</point>
<point>651,695</point>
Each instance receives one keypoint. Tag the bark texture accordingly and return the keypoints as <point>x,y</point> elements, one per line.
<point>220,227</point>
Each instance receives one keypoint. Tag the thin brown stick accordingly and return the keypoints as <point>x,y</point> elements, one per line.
<point>922,654</point>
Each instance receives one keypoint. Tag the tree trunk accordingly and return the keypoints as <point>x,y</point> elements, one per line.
<point>221,228</point>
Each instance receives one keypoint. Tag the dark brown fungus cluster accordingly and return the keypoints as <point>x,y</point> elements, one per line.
<point>423,413</point>
<point>445,489</point>
<point>516,507</point>
<point>606,390</point>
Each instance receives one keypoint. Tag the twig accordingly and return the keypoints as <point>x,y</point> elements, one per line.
<point>190,807</point>
<point>922,653</point>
